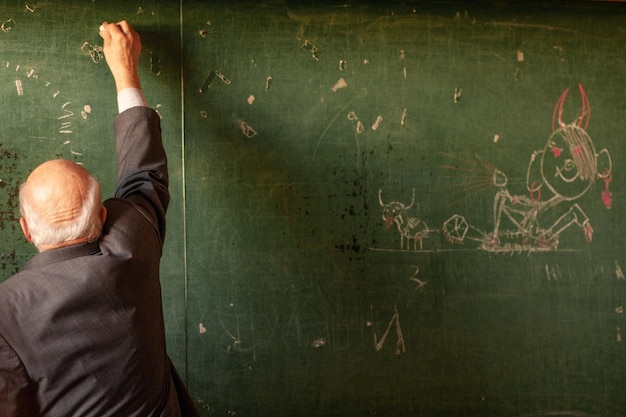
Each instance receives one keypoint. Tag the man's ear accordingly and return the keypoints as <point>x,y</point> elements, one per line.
<point>103,214</point>
<point>25,230</point>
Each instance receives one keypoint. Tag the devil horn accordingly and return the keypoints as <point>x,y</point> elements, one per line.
<point>558,111</point>
<point>585,113</point>
<point>412,200</point>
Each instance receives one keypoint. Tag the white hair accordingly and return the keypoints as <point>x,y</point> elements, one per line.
<point>87,225</point>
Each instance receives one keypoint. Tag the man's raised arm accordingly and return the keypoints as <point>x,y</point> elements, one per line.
<point>141,161</point>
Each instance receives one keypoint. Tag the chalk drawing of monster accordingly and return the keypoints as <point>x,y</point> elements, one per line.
<point>557,176</point>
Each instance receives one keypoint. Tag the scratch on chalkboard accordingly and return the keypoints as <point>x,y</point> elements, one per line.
<point>553,273</point>
<point>529,26</point>
<point>207,82</point>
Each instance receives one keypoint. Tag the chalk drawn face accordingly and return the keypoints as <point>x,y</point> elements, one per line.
<point>391,212</point>
<point>568,163</point>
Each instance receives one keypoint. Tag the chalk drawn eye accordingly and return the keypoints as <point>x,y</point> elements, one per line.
<point>568,172</point>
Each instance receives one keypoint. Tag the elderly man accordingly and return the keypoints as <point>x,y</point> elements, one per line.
<point>81,327</point>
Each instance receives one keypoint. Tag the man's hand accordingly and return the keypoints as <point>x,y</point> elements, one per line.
<point>122,47</point>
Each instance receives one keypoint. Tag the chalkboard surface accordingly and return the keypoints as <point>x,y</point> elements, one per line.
<point>383,209</point>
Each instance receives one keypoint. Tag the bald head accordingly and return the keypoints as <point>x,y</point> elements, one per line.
<point>60,205</point>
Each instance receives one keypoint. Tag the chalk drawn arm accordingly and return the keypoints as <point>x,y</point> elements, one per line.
<point>534,180</point>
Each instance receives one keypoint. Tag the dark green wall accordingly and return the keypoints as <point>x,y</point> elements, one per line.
<point>289,125</point>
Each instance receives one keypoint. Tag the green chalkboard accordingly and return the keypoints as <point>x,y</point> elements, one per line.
<point>308,126</point>
<point>379,209</point>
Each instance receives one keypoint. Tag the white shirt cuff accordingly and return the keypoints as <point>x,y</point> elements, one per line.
<point>130,97</point>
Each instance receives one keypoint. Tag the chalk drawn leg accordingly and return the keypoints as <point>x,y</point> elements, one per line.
<point>575,215</point>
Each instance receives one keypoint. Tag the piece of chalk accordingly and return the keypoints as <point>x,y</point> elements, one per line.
<point>101,28</point>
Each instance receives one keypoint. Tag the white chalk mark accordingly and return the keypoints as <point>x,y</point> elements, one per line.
<point>201,328</point>
<point>420,284</point>
<point>377,123</point>
<point>352,116</point>
<point>18,86</point>
<point>403,120</point>
<point>400,346</point>
<point>359,127</point>
<point>8,25</point>
<point>496,138</point>
<point>553,273</point>
<point>311,47</point>
<point>268,81</point>
<point>457,94</point>
<point>520,56</point>
<point>618,271</point>
<point>222,77</point>
<point>250,100</point>
<point>68,113</point>
<point>318,343</point>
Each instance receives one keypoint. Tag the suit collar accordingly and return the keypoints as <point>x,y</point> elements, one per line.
<point>62,254</point>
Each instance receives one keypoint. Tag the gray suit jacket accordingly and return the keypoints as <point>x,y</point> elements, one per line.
<point>81,327</point>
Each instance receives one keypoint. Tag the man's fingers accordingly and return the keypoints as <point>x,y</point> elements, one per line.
<point>125,26</point>
<point>104,33</point>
